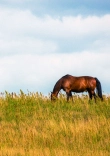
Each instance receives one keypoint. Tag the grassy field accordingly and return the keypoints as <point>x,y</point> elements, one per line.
<point>32,125</point>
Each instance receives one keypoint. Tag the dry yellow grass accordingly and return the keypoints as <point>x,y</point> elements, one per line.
<point>30,125</point>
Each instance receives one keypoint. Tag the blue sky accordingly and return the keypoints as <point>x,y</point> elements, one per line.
<point>58,7</point>
<point>40,41</point>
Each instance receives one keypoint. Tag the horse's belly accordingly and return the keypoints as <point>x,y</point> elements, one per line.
<point>79,90</point>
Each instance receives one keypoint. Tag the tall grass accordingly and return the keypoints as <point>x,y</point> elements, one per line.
<point>32,125</point>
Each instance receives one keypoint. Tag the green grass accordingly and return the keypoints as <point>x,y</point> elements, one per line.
<point>30,124</point>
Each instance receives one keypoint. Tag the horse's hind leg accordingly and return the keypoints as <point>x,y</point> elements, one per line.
<point>94,96</point>
<point>91,94</point>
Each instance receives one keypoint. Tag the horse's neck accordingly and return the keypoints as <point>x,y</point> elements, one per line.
<point>57,88</point>
<point>56,91</point>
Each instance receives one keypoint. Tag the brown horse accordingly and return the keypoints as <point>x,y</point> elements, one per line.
<point>77,84</point>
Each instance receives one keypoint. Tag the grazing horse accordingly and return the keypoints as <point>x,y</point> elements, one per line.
<point>77,84</point>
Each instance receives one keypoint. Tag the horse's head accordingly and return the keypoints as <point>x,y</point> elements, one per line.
<point>53,96</point>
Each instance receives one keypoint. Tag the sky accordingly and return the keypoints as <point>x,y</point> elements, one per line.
<point>41,41</point>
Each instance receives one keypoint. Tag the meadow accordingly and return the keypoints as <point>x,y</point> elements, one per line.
<point>32,125</point>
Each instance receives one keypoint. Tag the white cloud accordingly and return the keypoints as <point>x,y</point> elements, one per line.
<point>22,31</point>
<point>31,49</point>
<point>39,73</point>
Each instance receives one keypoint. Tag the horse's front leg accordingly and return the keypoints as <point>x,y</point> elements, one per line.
<point>69,95</point>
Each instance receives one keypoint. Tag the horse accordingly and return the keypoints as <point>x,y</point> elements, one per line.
<point>71,84</point>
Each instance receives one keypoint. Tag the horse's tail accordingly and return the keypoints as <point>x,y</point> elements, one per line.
<point>99,88</point>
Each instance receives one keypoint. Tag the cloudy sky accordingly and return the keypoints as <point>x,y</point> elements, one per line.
<point>40,41</point>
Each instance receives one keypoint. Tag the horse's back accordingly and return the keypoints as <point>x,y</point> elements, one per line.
<point>79,78</point>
